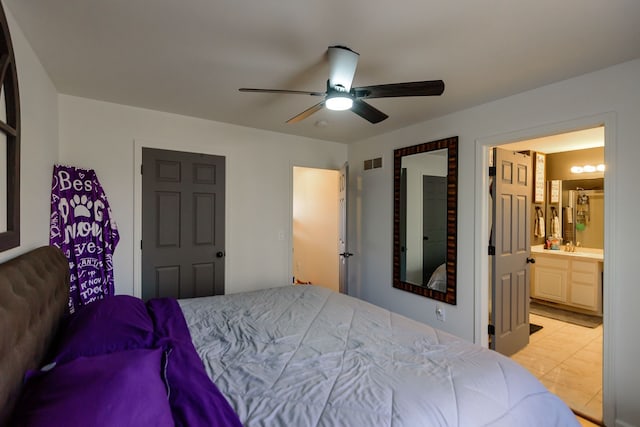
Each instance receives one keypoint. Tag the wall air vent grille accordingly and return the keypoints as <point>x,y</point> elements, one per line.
<point>373,163</point>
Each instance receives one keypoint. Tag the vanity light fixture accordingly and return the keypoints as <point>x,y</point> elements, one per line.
<point>587,168</point>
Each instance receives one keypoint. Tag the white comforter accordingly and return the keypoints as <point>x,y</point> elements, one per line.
<point>305,356</point>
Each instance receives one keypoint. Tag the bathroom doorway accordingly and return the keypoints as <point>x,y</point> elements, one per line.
<point>315,227</point>
<point>565,348</point>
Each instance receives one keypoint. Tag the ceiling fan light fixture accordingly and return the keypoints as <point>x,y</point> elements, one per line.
<point>339,102</point>
<point>340,95</point>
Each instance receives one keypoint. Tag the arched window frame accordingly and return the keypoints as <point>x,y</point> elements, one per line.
<point>10,127</point>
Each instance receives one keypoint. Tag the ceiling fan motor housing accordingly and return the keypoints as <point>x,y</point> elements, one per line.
<point>342,62</point>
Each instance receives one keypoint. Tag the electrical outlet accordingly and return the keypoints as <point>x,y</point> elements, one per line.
<point>440,314</point>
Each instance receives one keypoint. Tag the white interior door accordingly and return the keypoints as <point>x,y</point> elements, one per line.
<point>511,238</point>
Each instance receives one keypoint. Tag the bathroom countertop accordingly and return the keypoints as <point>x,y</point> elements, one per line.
<point>591,253</point>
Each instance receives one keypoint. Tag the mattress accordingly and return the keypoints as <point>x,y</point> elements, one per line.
<point>307,356</point>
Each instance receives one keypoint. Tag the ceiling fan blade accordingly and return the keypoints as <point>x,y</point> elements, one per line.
<point>342,62</point>
<point>367,111</point>
<point>282,91</point>
<point>306,113</point>
<point>426,88</point>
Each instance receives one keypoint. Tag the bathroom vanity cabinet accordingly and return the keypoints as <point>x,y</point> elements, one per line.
<point>573,280</point>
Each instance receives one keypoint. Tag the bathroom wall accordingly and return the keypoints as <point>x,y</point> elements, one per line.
<point>559,164</point>
<point>559,167</point>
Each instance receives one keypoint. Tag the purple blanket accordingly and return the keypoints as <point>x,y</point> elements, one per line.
<point>121,362</point>
<point>195,399</point>
<point>82,227</point>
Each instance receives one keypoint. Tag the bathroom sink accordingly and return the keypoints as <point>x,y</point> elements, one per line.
<point>593,253</point>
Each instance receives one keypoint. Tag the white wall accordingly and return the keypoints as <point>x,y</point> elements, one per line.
<point>104,136</point>
<point>39,143</point>
<point>615,90</point>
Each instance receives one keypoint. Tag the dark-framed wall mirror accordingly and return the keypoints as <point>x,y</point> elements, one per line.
<point>425,182</point>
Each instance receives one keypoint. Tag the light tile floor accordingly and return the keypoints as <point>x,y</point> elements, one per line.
<point>567,359</point>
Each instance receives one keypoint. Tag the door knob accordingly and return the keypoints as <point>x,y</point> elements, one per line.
<point>219,254</point>
<point>531,260</point>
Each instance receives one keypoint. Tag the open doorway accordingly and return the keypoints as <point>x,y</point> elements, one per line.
<point>566,254</point>
<point>315,227</point>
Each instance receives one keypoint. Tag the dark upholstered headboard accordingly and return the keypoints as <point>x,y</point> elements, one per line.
<point>34,294</point>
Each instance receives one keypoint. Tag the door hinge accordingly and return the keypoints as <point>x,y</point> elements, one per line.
<point>492,171</point>
<point>140,169</point>
<point>140,244</point>
<point>491,330</point>
<point>492,250</point>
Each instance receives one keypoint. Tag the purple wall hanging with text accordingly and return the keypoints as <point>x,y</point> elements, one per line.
<point>83,228</point>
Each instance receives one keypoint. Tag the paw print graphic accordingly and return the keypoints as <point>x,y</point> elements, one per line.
<point>81,206</point>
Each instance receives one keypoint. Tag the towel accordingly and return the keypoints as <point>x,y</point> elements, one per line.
<point>555,227</point>
<point>568,214</point>
<point>538,227</point>
<point>82,227</point>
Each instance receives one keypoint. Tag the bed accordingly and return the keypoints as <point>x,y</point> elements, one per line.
<point>438,279</point>
<point>288,356</point>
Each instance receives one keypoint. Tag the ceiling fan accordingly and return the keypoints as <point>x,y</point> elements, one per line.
<point>341,96</point>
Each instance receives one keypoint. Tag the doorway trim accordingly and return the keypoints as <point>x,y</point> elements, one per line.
<point>203,148</point>
<point>481,226</point>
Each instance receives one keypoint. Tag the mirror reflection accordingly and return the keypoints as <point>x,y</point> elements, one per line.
<point>424,199</point>
<point>425,186</point>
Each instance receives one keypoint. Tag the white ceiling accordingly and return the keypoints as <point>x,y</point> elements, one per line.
<point>570,141</point>
<point>191,56</point>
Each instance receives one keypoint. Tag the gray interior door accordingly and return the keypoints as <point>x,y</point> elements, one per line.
<point>343,252</point>
<point>510,277</point>
<point>434,224</point>
<point>183,196</point>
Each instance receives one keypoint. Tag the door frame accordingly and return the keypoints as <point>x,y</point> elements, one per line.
<point>203,148</point>
<point>481,226</point>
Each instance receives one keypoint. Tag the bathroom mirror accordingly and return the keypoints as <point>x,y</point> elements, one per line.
<point>425,219</point>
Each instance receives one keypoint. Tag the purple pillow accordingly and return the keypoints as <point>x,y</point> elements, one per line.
<point>108,325</point>
<point>118,389</point>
